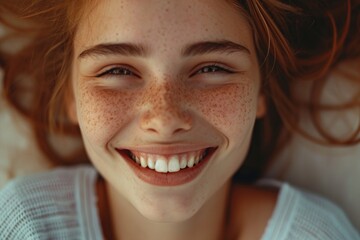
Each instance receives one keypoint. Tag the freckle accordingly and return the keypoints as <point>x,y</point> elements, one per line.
<point>165,48</point>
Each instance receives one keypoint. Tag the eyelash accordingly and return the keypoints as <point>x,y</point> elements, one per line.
<point>117,71</point>
<point>123,71</point>
<point>213,68</point>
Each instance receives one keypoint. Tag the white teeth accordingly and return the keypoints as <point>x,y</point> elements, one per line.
<point>174,164</point>
<point>143,162</point>
<point>191,161</point>
<point>197,158</point>
<point>166,164</point>
<point>136,159</point>
<point>161,165</point>
<point>151,162</point>
<point>183,162</point>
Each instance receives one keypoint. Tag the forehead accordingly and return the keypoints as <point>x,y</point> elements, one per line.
<point>162,22</point>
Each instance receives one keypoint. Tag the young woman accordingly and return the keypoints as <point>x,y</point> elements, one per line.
<point>166,95</point>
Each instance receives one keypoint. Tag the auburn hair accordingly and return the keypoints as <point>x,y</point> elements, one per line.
<point>295,41</point>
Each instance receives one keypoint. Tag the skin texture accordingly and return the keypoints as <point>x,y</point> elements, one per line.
<point>165,98</point>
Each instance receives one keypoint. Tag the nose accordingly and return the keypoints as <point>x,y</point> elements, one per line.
<point>164,115</point>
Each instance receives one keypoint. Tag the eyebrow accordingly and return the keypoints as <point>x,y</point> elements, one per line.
<point>127,49</point>
<point>137,50</point>
<point>224,46</point>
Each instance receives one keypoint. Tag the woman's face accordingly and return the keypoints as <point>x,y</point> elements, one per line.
<point>166,95</point>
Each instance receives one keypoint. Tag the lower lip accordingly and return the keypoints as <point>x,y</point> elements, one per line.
<point>170,178</point>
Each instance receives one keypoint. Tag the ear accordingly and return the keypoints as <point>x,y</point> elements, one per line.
<point>261,106</point>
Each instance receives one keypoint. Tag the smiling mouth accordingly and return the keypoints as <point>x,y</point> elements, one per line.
<point>168,163</point>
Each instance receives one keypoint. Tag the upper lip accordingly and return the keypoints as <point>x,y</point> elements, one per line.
<point>167,149</point>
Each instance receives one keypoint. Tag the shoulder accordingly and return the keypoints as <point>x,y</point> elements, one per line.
<point>251,208</point>
<point>32,207</point>
<point>284,214</point>
<point>300,214</point>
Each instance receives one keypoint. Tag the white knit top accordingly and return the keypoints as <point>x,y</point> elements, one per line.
<point>61,204</point>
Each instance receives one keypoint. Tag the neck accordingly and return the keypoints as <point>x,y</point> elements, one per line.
<point>208,223</point>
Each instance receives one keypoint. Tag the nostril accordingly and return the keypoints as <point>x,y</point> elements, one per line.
<point>166,123</point>
<point>151,130</point>
<point>178,130</point>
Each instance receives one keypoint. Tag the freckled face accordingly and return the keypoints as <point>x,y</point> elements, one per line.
<point>165,73</point>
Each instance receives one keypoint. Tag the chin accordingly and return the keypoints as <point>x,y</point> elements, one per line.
<point>167,215</point>
<point>169,208</point>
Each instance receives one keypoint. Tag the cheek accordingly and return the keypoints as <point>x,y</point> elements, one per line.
<point>102,113</point>
<point>227,107</point>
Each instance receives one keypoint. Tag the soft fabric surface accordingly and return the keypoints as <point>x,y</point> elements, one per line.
<point>61,204</point>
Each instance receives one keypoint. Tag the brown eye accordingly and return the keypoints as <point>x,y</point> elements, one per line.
<point>213,69</point>
<point>117,71</point>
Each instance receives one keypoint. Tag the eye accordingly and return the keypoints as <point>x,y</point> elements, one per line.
<point>117,71</point>
<point>213,69</point>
